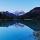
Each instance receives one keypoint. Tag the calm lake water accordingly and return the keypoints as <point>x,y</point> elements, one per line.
<point>16,32</point>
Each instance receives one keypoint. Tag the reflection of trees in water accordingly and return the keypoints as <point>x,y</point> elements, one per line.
<point>6,23</point>
<point>36,35</point>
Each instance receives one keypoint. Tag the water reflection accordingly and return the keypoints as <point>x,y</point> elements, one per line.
<point>15,32</point>
<point>33,24</point>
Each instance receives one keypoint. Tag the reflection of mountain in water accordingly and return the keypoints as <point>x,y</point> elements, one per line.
<point>34,15</point>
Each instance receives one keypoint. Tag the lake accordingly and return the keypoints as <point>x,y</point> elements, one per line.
<point>16,32</point>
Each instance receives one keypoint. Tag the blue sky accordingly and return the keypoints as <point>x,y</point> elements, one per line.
<point>13,5</point>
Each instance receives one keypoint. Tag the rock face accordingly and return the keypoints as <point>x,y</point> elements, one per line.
<point>34,15</point>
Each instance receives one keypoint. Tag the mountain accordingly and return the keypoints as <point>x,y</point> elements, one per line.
<point>17,13</point>
<point>32,14</point>
<point>7,14</point>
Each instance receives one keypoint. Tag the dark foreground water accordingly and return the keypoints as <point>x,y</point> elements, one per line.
<point>16,32</point>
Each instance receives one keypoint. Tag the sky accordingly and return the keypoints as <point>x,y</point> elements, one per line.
<point>18,5</point>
